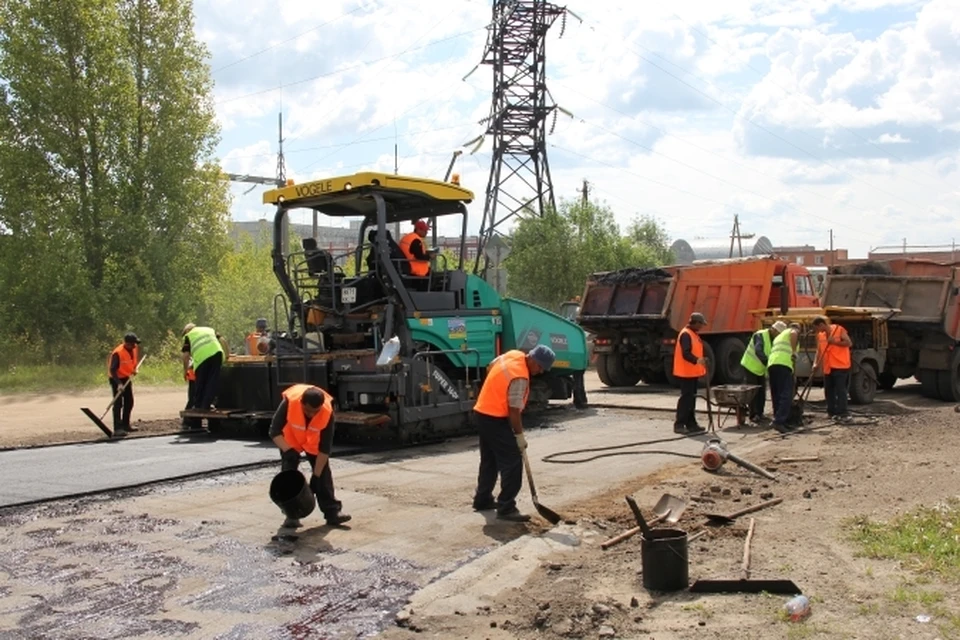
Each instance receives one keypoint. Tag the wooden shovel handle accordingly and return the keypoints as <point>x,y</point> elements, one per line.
<point>629,533</point>
<point>756,507</point>
<point>746,550</point>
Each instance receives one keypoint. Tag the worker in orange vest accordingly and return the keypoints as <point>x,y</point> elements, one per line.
<point>191,377</point>
<point>258,341</point>
<point>121,367</point>
<point>833,354</point>
<point>303,423</point>
<point>497,412</point>
<point>414,248</point>
<point>689,366</point>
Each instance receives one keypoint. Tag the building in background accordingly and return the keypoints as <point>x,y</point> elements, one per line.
<point>810,256</point>
<point>937,253</point>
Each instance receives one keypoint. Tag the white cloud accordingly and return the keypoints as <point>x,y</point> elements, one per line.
<point>895,138</point>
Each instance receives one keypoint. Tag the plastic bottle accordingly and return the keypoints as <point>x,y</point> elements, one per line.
<point>797,608</point>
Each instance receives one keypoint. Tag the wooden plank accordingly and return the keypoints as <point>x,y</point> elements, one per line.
<point>359,417</point>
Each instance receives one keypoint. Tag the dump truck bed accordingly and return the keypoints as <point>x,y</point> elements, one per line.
<point>925,293</point>
<point>725,291</point>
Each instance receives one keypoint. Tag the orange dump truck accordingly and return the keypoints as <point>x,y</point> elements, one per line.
<point>635,314</point>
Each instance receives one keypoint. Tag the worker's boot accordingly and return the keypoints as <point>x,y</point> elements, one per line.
<point>337,519</point>
<point>695,429</point>
<point>513,515</point>
<point>291,523</point>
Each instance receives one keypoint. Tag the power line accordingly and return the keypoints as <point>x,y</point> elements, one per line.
<point>288,40</point>
<point>352,67</point>
<point>696,195</point>
<point>737,115</point>
<point>347,144</point>
<point>667,134</point>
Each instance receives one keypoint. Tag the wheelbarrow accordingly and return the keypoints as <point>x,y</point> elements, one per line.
<point>735,399</point>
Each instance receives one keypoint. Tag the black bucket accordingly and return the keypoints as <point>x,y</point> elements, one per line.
<point>291,492</point>
<point>664,560</point>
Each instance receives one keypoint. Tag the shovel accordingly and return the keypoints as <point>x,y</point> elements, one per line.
<point>719,518</point>
<point>99,420</point>
<point>549,515</point>
<point>668,509</point>
<point>745,584</point>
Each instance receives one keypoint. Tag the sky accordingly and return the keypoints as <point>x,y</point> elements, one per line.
<point>799,116</point>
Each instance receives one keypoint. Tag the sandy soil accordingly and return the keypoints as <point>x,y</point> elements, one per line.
<point>878,470</point>
<point>42,419</point>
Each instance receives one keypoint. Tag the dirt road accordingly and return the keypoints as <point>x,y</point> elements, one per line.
<point>35,419</point>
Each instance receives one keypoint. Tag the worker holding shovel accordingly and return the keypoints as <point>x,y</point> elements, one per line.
<point>502,443</point>
<point>121,368</point>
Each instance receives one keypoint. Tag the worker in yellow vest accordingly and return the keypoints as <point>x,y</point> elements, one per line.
<point>689,366</point>
<point>780,366</point>
<point>121,367</point>
<point>498,417</point>
<point>204,347</point>
<point>754,363</point>
<point>303,423</point>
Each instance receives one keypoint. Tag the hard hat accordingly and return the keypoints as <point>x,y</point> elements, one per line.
<point>779,326</point>
<point>419,225</point>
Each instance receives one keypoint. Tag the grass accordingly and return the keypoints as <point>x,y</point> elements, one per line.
<point>52,378</point>
<point>903,594</point>
<point>700,609</point>
<point>926,540</point>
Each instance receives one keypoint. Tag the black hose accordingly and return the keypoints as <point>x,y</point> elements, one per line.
<point>612,448</point>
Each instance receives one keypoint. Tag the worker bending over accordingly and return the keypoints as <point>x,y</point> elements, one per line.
<point>415,249</point>
<point>754,363</point>
<point>303,423</point>
<point>689,366</point>
<point>203,347</point>
<point>121,367</point>
<point>783,358</point>
<point>500,426</point>
<point>833,354</point>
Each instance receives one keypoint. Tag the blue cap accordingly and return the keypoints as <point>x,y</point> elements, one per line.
<point>543,356</point>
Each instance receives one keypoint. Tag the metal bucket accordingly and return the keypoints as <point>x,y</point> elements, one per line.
<point>290,491</point>
<point>664,560</point>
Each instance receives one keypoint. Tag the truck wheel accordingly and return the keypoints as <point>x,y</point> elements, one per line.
<point>668,371</point>
<point>729,353</point>
<point>863,384</point>
<point>886,380</point>
<point>948,382</point>
<point>929,387</point>
<point>617,372</point>
<point>602,369</point>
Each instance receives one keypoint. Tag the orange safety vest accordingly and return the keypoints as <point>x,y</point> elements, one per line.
<point>417,267</point>
<point>493,400</point>
<point>253,341</point>
<point>128,361</point>
<point>837,356</point>
<point>682,368</point>
<point>297,432</point>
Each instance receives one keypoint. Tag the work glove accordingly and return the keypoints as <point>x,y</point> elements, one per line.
<point>521,441</point>
<point>290,459</point>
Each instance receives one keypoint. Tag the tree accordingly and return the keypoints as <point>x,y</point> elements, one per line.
<point>107,189</point>
<point>551,256</point>
<point>647,234</point>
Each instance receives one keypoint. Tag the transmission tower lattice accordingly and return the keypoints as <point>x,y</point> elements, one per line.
<point>519,173</point>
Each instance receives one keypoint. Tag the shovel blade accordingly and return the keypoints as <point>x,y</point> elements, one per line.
<point>779,587</point>
<point>669,508</point>
<point>548,514</point>
<point>97,421</point>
